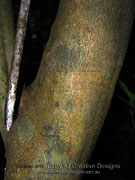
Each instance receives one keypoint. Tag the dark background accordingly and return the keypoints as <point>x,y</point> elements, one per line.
<point>116,143</point>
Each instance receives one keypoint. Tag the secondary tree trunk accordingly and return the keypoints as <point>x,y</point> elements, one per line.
<point>62,112</point>
<point>6,53</point>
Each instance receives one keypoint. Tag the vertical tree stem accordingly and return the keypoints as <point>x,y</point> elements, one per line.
<point>14,75</point>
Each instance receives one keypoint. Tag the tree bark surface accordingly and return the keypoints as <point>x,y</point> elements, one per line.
<point>6,53</point>
<point>62,112</point>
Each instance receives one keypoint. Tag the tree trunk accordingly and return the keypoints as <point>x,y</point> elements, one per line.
<point>6,53</point>
<point>62,112</point>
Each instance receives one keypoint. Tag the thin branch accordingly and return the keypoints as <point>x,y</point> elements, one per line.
<point>14,75</point>
<point>132,116</point>
<point>130,107</point>
<point>127,102</point>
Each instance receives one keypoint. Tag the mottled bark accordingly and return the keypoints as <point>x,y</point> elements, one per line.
<point>64,109</point>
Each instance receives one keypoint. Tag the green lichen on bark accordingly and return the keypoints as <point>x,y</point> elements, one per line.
<point>58,145</point>
<point>63,62</point>
<point>25,129</point>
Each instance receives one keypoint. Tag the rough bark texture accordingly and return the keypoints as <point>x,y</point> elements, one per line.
<point>6,52</point>
<point>65,107</point>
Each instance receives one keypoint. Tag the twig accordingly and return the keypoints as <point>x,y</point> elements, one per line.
<point>14,75</point>
<point>130,107</point>
<point>130,104</point>
<point>132,117</point>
